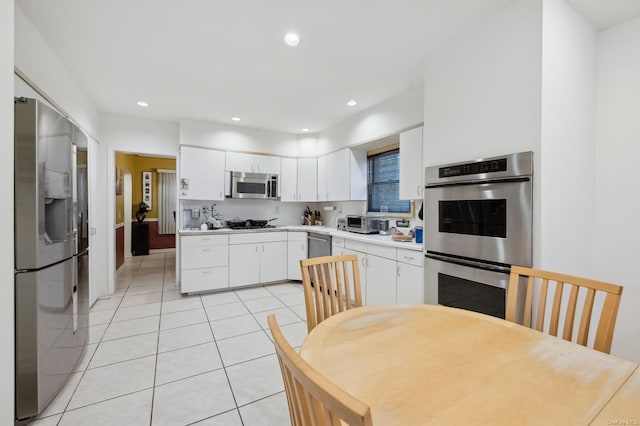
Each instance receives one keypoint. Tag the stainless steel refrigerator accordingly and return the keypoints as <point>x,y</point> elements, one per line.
<point>51,253</point>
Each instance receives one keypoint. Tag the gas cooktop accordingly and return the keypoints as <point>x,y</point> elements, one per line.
<point>249,224</point>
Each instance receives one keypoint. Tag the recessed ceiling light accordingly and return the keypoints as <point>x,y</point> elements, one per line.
<point>142,104</point>
<point>305,130</point>
<point>352,103</point>
<point>292,39</point>
<point>235,118</point>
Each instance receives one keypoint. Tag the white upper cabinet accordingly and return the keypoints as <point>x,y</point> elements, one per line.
<point>411,170</point>
<point>322,179</point>
<point>252,163</point>
<point>342,175</point>
<point>289,180</point>
<point>201,174</point>
<point>307,179</point>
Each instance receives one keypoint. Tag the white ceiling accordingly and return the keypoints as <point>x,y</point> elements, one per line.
<point>211,60</point>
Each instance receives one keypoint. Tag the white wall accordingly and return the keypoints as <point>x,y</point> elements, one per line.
<point>133,135</point>
<point>138,135</point>
<point>568,146</point>
<point>35,59</point>
<point>617,207</point>
<point>482,89</point>
<point>236,138</point>
<point>6,214</point>
<point>396,114</point>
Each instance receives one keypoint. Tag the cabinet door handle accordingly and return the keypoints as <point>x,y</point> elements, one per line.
<point>205,250</point>
<point>302,247</point>
<point>418,189</point>
<point>363,264</point>
<point>204,239</point>
<point>256,249</point>
<point>398,271</point>
<point>367,262</point>
<point>221,195</point>
<point>408,258</point>
<point>263,249</point>
<point>206,272</point>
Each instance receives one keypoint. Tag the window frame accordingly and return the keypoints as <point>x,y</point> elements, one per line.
<point>382,150</point>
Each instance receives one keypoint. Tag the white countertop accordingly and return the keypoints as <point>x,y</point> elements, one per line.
<point>367,238</point>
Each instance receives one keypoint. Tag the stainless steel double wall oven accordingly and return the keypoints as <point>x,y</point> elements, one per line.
<point>479,219</point>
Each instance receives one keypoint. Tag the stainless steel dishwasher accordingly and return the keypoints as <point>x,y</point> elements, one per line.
<point>319,244</point>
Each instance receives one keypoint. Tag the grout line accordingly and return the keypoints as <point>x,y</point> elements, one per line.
<point>260,399</point>
<point>216,415</point>
<point>155,368</point>
<point>233,395</point>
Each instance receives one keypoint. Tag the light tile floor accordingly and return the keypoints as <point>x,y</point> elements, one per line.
<point>157,357</point>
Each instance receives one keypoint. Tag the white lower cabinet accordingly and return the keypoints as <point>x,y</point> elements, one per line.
<point>244,264</point>
<point>273,262</point>
<point>204,263</point>
<point>387,275</point>
<point>296,251</point>
<point>410,284</point>
<point>256,258</point>
<point>381,280</point>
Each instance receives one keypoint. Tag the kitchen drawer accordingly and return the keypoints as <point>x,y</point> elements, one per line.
<point>204,279</point>
<point>296,236</point>
<point>204,240</point>
<point>412,257</point>
<point>257,237</point>
<point>204,257</point>
<point>337,241</point>
<point>375,249</point>
<point>356,245</point>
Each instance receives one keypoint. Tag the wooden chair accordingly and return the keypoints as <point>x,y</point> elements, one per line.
<point>312,398</point>
<point>329,288</point>
<point>606,322</point>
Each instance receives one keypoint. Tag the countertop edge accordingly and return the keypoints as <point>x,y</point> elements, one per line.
<point>367,238</point>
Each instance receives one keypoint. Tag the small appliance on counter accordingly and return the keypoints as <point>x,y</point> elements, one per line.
<point>363,224</point>
<point>342,224</point>
<point>383,225</point>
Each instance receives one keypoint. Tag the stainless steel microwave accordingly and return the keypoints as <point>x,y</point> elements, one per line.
<point>363,224</point>
<point>254,185</point>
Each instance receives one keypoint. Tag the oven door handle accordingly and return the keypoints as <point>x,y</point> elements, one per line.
<point>478,182</point>
<point>470,263</point>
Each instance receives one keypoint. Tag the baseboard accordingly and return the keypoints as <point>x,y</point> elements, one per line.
<point>166,250</point>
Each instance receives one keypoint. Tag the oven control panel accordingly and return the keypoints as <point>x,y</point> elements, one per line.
<point>488,166</point>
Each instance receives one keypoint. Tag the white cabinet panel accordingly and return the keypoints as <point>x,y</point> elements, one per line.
<point>273,262</point>
<point>252,163</point>
<point>204,257</point>
<point>196,280</point>
<point>201,174</point>
<point>322,178</point>
<point>296,251</point>
<point>204,240</point>
<point>239,162</point>
<point>244,264</point>
<point>307,179</point>
<point>338,175</point>
<point>411,170</point>
<point>410,256</point>
<point>410,284</point>
<point>381,280</point>
<point>342,175</point>
<point>267,164</point>
<point>289,180</point>
<point>257,237</point>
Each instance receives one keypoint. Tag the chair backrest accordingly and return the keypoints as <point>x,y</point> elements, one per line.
<point>312,398</point>
<point>541,279</point>
<point>330,286</point>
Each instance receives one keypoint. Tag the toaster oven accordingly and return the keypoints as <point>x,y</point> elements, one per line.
<point>363,224</point>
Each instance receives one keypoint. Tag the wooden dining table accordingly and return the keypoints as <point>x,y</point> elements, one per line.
<point>434,365</point>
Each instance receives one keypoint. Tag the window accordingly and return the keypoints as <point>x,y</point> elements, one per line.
<point>383,183</point>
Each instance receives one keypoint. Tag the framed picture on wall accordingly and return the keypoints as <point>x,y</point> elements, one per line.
<point>147,192</point>
<point>119,180</point>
